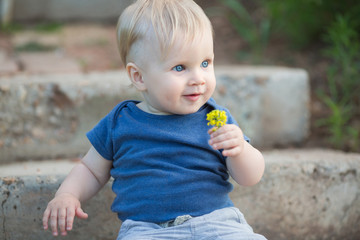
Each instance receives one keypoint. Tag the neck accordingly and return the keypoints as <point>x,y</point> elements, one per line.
<point>149,109</point>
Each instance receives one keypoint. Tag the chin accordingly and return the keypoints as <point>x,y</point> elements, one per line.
<point>188,111</point>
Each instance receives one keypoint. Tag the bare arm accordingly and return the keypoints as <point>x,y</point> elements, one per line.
<point>88,177</point>
<point>83,182</point>
<point>248,167</point>
<point>244,162</point>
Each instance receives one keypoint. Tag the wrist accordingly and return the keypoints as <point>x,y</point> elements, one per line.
<point>62,194</point>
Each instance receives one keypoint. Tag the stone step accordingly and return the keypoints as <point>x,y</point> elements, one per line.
<point>47,116</point>
<point>305,194</point>
<point>38,168</point>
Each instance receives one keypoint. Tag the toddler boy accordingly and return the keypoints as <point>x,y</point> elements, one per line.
<point>170,169</point>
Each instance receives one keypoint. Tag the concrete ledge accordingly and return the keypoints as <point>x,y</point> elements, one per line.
<point>47,116</point>
<point>304,195</point>
<point>24,200</point>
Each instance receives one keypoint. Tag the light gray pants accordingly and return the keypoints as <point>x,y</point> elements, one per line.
<point>222,224</point>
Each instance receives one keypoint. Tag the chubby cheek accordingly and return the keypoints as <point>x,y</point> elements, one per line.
<point>173,89</point>
<point>170,94</point>
<point>210,86</point>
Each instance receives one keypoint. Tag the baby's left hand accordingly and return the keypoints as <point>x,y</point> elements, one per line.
<point>228,137</point>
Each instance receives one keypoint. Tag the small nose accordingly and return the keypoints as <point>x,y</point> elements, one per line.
<point>197,78</point>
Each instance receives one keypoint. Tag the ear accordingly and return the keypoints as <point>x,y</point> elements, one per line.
<point>135,76</point>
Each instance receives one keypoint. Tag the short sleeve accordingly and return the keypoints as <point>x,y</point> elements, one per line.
<point>100,137</point>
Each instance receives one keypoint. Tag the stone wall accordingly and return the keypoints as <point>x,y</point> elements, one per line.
<point>47,116</point>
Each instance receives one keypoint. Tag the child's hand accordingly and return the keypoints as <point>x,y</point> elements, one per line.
<point>228,137</point>
<point>245,163</point>
<point>61,212</point>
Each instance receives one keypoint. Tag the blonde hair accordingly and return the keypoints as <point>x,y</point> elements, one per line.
<point>167,18</point>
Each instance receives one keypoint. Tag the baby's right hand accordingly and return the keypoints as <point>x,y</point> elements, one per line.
<point>61,211</point>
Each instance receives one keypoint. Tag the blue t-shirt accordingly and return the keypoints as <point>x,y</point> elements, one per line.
<point>163,166</point>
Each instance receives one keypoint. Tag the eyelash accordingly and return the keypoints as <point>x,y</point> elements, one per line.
<point>207,63</point>
<point>179,68</point>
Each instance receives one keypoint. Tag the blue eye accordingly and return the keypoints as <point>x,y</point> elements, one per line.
<point>205,64</point>
<point>179,68</point>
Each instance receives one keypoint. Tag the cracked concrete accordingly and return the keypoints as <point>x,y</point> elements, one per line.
<point>9,187</point>
<point>305,194</point>
<point>6,193</point>
<point>25,198</point>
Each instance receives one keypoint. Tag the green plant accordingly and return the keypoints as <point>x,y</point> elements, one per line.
<point>255,34</point>
<point>304,22</point>
<point>48,27</point>
<point>34,46</point>
<point>343,78</point>
<point>11,28</point>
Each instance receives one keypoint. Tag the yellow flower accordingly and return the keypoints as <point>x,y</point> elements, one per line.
<point>216,118</point>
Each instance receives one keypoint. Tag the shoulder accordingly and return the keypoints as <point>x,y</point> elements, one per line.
<point>112,117</point>
<point>211,102</point>
<point>116,111</point>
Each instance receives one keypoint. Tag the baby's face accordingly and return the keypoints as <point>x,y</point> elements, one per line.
<point>183,81</point>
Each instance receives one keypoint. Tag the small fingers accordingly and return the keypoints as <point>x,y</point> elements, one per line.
<point>231,152</point>
<point>226,144</point>
<point>53,222</point>
<point>80,213</point>
<point>229,138</point>
<point>224,140</point>
<point>70,218</point>
<point>61,221</point>
<point>46,218</point>
<point>61,212</point>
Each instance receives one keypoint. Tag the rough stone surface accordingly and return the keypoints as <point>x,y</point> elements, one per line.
<point>53,62</point>
<point>8,67</point>
<point>271,104</point>
<point>38,168</point>
<point>47,116</point>
<point>24,199</point>
<point>304,195</point>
